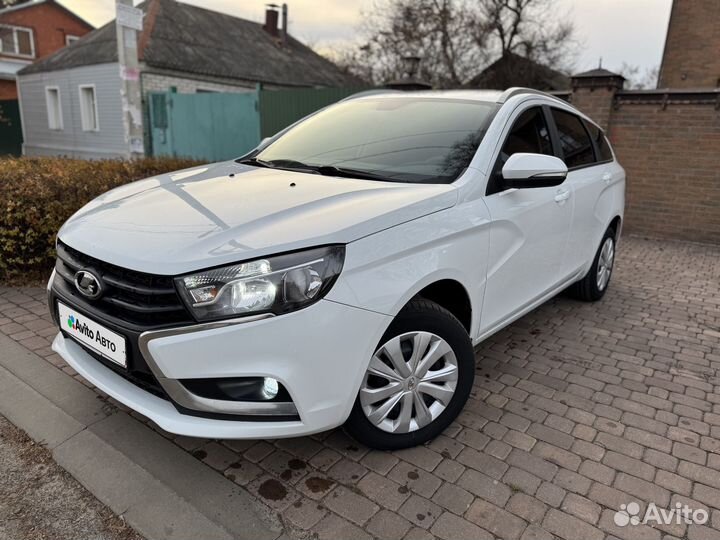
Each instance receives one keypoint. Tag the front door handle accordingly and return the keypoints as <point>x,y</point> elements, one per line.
<point>562,196</point>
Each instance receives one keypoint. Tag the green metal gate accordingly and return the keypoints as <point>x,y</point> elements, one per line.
<point>215,126</point>
<point>206,126</point>
<point>10,128</point>
<point>280,108</point>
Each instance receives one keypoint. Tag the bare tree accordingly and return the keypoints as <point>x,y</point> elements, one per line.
<point>433,30</point>
<point>530,28</point>
<point>639,79</point>
<point>455,39</point>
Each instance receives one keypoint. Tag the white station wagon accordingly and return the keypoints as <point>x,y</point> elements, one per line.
<point>342,272</point>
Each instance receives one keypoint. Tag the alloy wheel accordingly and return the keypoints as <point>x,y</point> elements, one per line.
<point>409,383</point>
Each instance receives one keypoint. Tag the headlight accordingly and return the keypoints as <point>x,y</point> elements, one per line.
<point>270,285</point>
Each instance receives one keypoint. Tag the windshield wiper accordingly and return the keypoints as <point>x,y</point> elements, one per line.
<point>282,164</point>
<point>332,170</point>
<point>325,170</point>
<point>255,162</point>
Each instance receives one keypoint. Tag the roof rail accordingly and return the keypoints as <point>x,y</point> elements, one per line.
<point>372,92</point>
<point>516,91</point>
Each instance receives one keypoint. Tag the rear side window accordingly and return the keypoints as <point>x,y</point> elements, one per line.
<point>575,142</point>
<point>601,144</point>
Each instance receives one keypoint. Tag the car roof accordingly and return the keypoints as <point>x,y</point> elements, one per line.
<point>499,97</point>
<point>489,96</point>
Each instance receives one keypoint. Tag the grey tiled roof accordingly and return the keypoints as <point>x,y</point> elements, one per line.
<point>196,40</point>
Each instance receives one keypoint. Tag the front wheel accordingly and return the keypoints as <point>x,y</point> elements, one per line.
<point>417,382</point>
<point>593,286</point>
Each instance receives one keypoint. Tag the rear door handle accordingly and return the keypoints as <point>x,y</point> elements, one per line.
<point>562,196</point>
<point>607,177</point>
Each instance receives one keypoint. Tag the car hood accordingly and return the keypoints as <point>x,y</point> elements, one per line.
<point>227,212</point>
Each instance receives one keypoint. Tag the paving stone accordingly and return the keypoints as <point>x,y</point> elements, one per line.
<point>347,471</point>
<point>551,494</point>
<point>645,491</point>
<point>535,532</point>
<point>350,505</point>
<point>496,520</point>
<point>629,465</point>
<point>522,481</point>
<point>420,511</point>
<point>304,513</point>
<point>449,470</point>
<point>634,532</point>
<point>417,480</point>
<point>451,527</point>
<point>569,527</point>
<point>597,471</point>
<point>333,527</point>
<point>453,498</point>
<point>388,525</point>
<point>520,440</point>
<point>483,462</point>
<point>558,456</point>
<point>380,462</point>
<point>420,456</point>
<point>582,508</point>
<point>661,460</point>
<point>384,491</point>
<point>619,444</point>
<point>528,508</point>
<point>689,453</point>
<point>648,439</point>
<point>571,481</point>
<point>531,463</point>
<point>485,487</point>
<point>217,456</point>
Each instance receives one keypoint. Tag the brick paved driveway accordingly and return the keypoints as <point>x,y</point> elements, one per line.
<point>577,409</point>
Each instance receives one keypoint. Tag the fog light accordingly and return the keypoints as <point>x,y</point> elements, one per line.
<point>270,388</point>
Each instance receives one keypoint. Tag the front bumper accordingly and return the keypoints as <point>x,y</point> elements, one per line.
<point>319,354</point>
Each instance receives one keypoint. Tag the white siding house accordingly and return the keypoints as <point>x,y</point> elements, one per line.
<point>67,94</point>
<point>71,102</point>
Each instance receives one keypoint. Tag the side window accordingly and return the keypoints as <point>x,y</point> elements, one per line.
<point>601,144</point>
<point>529,134</point>
<point>575,142</point>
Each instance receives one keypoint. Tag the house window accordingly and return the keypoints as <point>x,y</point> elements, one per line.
<point>17,41</point>
<point>88,108</point>
<point>71,39</point>
<point>54,108</point>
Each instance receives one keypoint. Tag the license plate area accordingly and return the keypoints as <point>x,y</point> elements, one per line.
<point>95,336</point>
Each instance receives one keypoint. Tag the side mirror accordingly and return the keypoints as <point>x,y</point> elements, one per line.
<point>533,171</point>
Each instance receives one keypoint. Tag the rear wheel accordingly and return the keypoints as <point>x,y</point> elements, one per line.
<point>593,286</point>
<point>417,382</point>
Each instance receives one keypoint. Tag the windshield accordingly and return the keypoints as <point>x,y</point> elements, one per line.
<point>401,139</point>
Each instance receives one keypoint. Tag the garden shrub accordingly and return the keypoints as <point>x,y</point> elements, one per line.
<point>38,194</point>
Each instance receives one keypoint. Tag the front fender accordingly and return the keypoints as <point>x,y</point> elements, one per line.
<point>383,271</point>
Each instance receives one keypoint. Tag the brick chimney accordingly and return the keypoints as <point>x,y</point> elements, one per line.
<point>593,93</point>
<point>692,46</point>
<point>271,20</point>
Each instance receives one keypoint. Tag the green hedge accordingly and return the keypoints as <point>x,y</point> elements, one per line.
<point>38,194</point>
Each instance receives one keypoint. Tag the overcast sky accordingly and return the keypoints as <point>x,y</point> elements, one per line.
<point>630,31</point>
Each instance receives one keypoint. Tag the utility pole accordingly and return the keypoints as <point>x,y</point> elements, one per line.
<point>128,22</point>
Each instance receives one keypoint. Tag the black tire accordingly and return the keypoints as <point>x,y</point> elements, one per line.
<point>421,315</point>
<point>587,288</point>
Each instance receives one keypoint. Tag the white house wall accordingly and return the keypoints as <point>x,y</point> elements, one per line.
<point>162,82</point>
<point>72,141</point>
